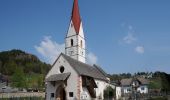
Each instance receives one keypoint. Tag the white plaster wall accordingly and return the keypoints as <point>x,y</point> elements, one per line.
<point>84,94</point>
<point>101,87</point>
<point>125,89</point>
<point>71,29</point>
<point>99,91</point>
<point>68,41</point>
<point>50,89</point>
<point>71,82</point>
<point>118,92</point>
<point>143,91</point>
<point>81,32</point>
<point>72,52</point>
<point>81,50</point>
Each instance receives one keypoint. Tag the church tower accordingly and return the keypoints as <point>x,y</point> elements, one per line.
<point>75,42</point>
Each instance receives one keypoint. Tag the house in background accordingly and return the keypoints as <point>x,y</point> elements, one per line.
<point>70,78</point>
<point>127,87</point>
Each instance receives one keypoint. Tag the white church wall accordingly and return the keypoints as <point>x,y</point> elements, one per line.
<point>81,32</point>
<point>51,90</point>
<point>81,49</point>
<point>71,30</point>
<point>77,50</point>
<point>71,82</point>
<point>72,52</point>
<point>68,41</point>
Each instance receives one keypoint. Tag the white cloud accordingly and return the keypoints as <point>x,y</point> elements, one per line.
<point>49,49</point>
<point>140,49</point>
<point>91,58</point>
<point>129,38</point>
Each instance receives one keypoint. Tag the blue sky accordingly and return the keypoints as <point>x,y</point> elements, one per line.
<point>121,35</point>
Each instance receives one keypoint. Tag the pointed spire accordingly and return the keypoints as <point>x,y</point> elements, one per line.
<point>76,19</point>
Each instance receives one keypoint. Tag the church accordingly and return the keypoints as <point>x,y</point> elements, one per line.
<point>70,78</point>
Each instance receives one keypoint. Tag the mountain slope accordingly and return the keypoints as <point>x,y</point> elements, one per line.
<point>14,59</point>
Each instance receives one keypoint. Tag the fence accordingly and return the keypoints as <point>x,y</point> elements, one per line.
<point>22,96</point>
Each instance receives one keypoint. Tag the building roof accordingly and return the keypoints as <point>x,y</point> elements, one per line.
<point>143,80</point>
<point>101,70</point>
<point>85,69</point>
<point>76,19</point>
<point>58,77</point>
<point>127,82</point>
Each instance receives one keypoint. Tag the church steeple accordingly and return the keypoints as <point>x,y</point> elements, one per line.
<point>76,19</point>
<point>75,42</point>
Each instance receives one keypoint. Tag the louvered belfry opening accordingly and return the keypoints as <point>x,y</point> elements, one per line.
<point>89,83</point>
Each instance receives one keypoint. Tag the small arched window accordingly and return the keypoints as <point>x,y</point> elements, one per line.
<point>71,42</point>
<point>81,44</point>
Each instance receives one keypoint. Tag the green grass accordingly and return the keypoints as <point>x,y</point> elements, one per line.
<point>155,84</point>
<point>158,98</point>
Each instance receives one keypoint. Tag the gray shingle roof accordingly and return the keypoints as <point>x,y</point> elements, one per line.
<point>58,77</point>
<point>85,69</point>
<point>127,82</point>
<point>143,80</point>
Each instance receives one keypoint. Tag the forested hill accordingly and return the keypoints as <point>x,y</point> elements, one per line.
<point>12,60</point>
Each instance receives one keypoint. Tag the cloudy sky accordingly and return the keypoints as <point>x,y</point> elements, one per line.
<point>121,35</point>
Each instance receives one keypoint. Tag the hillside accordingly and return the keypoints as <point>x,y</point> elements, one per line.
<point>14,59</point>
<point>22,70</point>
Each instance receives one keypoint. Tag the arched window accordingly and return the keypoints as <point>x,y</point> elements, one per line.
<point>81,44</point>
<point>71,42</point>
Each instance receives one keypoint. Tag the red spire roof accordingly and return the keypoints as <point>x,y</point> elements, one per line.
<point>76,16</point>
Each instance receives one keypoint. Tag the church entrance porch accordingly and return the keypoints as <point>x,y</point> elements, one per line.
<point>61,93</point>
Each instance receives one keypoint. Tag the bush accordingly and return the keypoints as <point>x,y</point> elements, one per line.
<point>109,92</point>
